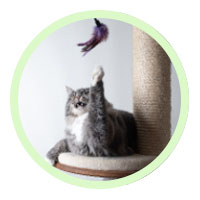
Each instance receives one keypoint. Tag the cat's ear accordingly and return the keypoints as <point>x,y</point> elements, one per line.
<point>68,89</point>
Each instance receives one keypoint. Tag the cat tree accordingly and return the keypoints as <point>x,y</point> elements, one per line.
<point>152,105</point>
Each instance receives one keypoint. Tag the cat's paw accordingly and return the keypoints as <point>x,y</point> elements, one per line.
<point>52,157</point>
<point>97,75</point>
<point>51,162</point>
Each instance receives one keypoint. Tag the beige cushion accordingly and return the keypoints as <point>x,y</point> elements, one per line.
<point>126,163</point>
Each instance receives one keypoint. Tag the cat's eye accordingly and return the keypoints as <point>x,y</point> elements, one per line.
<point>83,99</point>
<point>81,104</point>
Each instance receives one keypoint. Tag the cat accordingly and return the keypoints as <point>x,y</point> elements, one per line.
<point>93,126</point>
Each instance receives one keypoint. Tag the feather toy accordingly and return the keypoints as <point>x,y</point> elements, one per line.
<point>100,33</point>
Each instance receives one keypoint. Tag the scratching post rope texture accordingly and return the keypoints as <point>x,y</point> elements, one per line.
<point>152,93</point>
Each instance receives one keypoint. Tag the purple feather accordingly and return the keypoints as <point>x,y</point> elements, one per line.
<point>99,34</point>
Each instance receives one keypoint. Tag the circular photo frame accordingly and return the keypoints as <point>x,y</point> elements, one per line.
<point>136,23</point>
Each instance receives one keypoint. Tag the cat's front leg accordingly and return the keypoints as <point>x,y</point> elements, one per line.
<point>97,113</point>
<point>53,153</point>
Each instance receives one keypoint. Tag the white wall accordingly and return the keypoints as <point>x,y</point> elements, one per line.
<point>58,62</point>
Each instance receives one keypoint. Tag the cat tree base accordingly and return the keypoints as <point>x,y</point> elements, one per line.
<point>110,167</point>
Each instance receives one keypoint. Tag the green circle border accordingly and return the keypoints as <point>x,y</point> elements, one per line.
<point>127,19</point>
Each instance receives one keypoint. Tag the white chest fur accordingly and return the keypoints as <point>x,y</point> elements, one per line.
<point>76,128</point>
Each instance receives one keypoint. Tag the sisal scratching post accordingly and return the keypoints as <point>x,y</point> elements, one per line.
<point>152,93</point>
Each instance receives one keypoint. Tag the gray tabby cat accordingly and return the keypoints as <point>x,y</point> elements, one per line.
<point>93,126</point>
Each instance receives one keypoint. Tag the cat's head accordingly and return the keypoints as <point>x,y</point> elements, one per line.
<point>77,101</point>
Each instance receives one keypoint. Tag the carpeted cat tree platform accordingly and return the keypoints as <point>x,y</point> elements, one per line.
<point>152,105</point>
